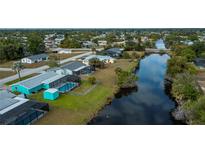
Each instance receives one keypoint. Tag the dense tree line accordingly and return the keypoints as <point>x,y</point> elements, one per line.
<point>13,48</point>
<point>10,50</point>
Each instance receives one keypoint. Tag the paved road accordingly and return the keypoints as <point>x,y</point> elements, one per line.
<point>5,69</point>
<point>26,72</point>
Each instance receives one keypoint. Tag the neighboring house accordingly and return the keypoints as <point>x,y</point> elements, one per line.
<point>35,58</point>
<point>102,43</point>
<point>77,68</point>
<point>19,111</point>
<point>45,80</point>
<point>114,52</point>
<point>105,59</point>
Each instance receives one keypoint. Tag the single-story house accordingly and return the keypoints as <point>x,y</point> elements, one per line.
<point>45,80</point>
<point>15,110</point>
<point>114,52</point>
<point>105,59</point>
<point>102,43</point>
<point>35,58</point>
<point>77,68</point>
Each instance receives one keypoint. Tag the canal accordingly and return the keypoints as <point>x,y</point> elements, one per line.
<point>148,104</point>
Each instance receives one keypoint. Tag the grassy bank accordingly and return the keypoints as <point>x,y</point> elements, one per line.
<point>71,109</point>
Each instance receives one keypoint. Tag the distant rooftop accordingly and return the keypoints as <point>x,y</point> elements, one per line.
<point>36,57</point>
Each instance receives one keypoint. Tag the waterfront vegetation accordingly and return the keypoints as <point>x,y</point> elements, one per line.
<point>73,109</point>
<point>185,89</point>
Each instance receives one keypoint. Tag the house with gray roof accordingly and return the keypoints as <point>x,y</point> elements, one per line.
<point>35,58</point>
<point>77,68</point>
<point>16,110</point>
<point>114,52</point>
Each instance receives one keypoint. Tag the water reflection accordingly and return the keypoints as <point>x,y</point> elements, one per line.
<point>148,104</point>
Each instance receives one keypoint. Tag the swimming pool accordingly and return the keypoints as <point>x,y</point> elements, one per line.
<point>67,87</point>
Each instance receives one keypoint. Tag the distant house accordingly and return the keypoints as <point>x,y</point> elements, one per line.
<point>35,58</point>
<point>64,51</point>
<point>15,110</point>
<point>88,44</point>
<point>105,59</point>
<point>102,43</point>
<point>114,52</point>
<point>200,62</point>
<point>45,80</point>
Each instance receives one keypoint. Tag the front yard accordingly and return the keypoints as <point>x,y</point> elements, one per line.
<point>4,74</point>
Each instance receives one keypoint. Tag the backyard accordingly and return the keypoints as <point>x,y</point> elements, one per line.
<point>73,109</point>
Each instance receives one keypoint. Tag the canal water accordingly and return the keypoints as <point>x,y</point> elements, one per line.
<point>160,44</point>
<point>147,104</point>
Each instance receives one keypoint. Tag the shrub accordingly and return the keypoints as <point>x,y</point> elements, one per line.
<point>92,80</point>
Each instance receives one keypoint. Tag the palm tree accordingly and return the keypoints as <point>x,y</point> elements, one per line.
<point>17,67</point>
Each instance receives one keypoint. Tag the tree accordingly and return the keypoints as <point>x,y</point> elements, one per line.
<point>176,64</point>
<point>188,53</point>
<point>18,67</point>
<point>125,79</point>
<point>53,61</point>
<point>92,80</point>
<point>195,111</point>
<point>96,63</point>
<point>70,43</point>
<point>126,55</point>
<point>35,43</point>
<point>185,88</point>
<point>199,48</point>
<point>10,50</point>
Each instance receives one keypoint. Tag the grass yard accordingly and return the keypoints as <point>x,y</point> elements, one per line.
<point>80,109</point>
<point>22,78</point>
<point>35,65</point>
<point>71,109</point>
<point>7,64</point>
<point>4,74</point>
<point>85,85</point>
<point>64,55</point>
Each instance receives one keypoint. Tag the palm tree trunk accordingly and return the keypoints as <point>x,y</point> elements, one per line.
<point>19,75</point>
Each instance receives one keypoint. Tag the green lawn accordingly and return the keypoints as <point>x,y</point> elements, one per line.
<point>75,109</point>
<point>23,78</point>
<point>85,85</point>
